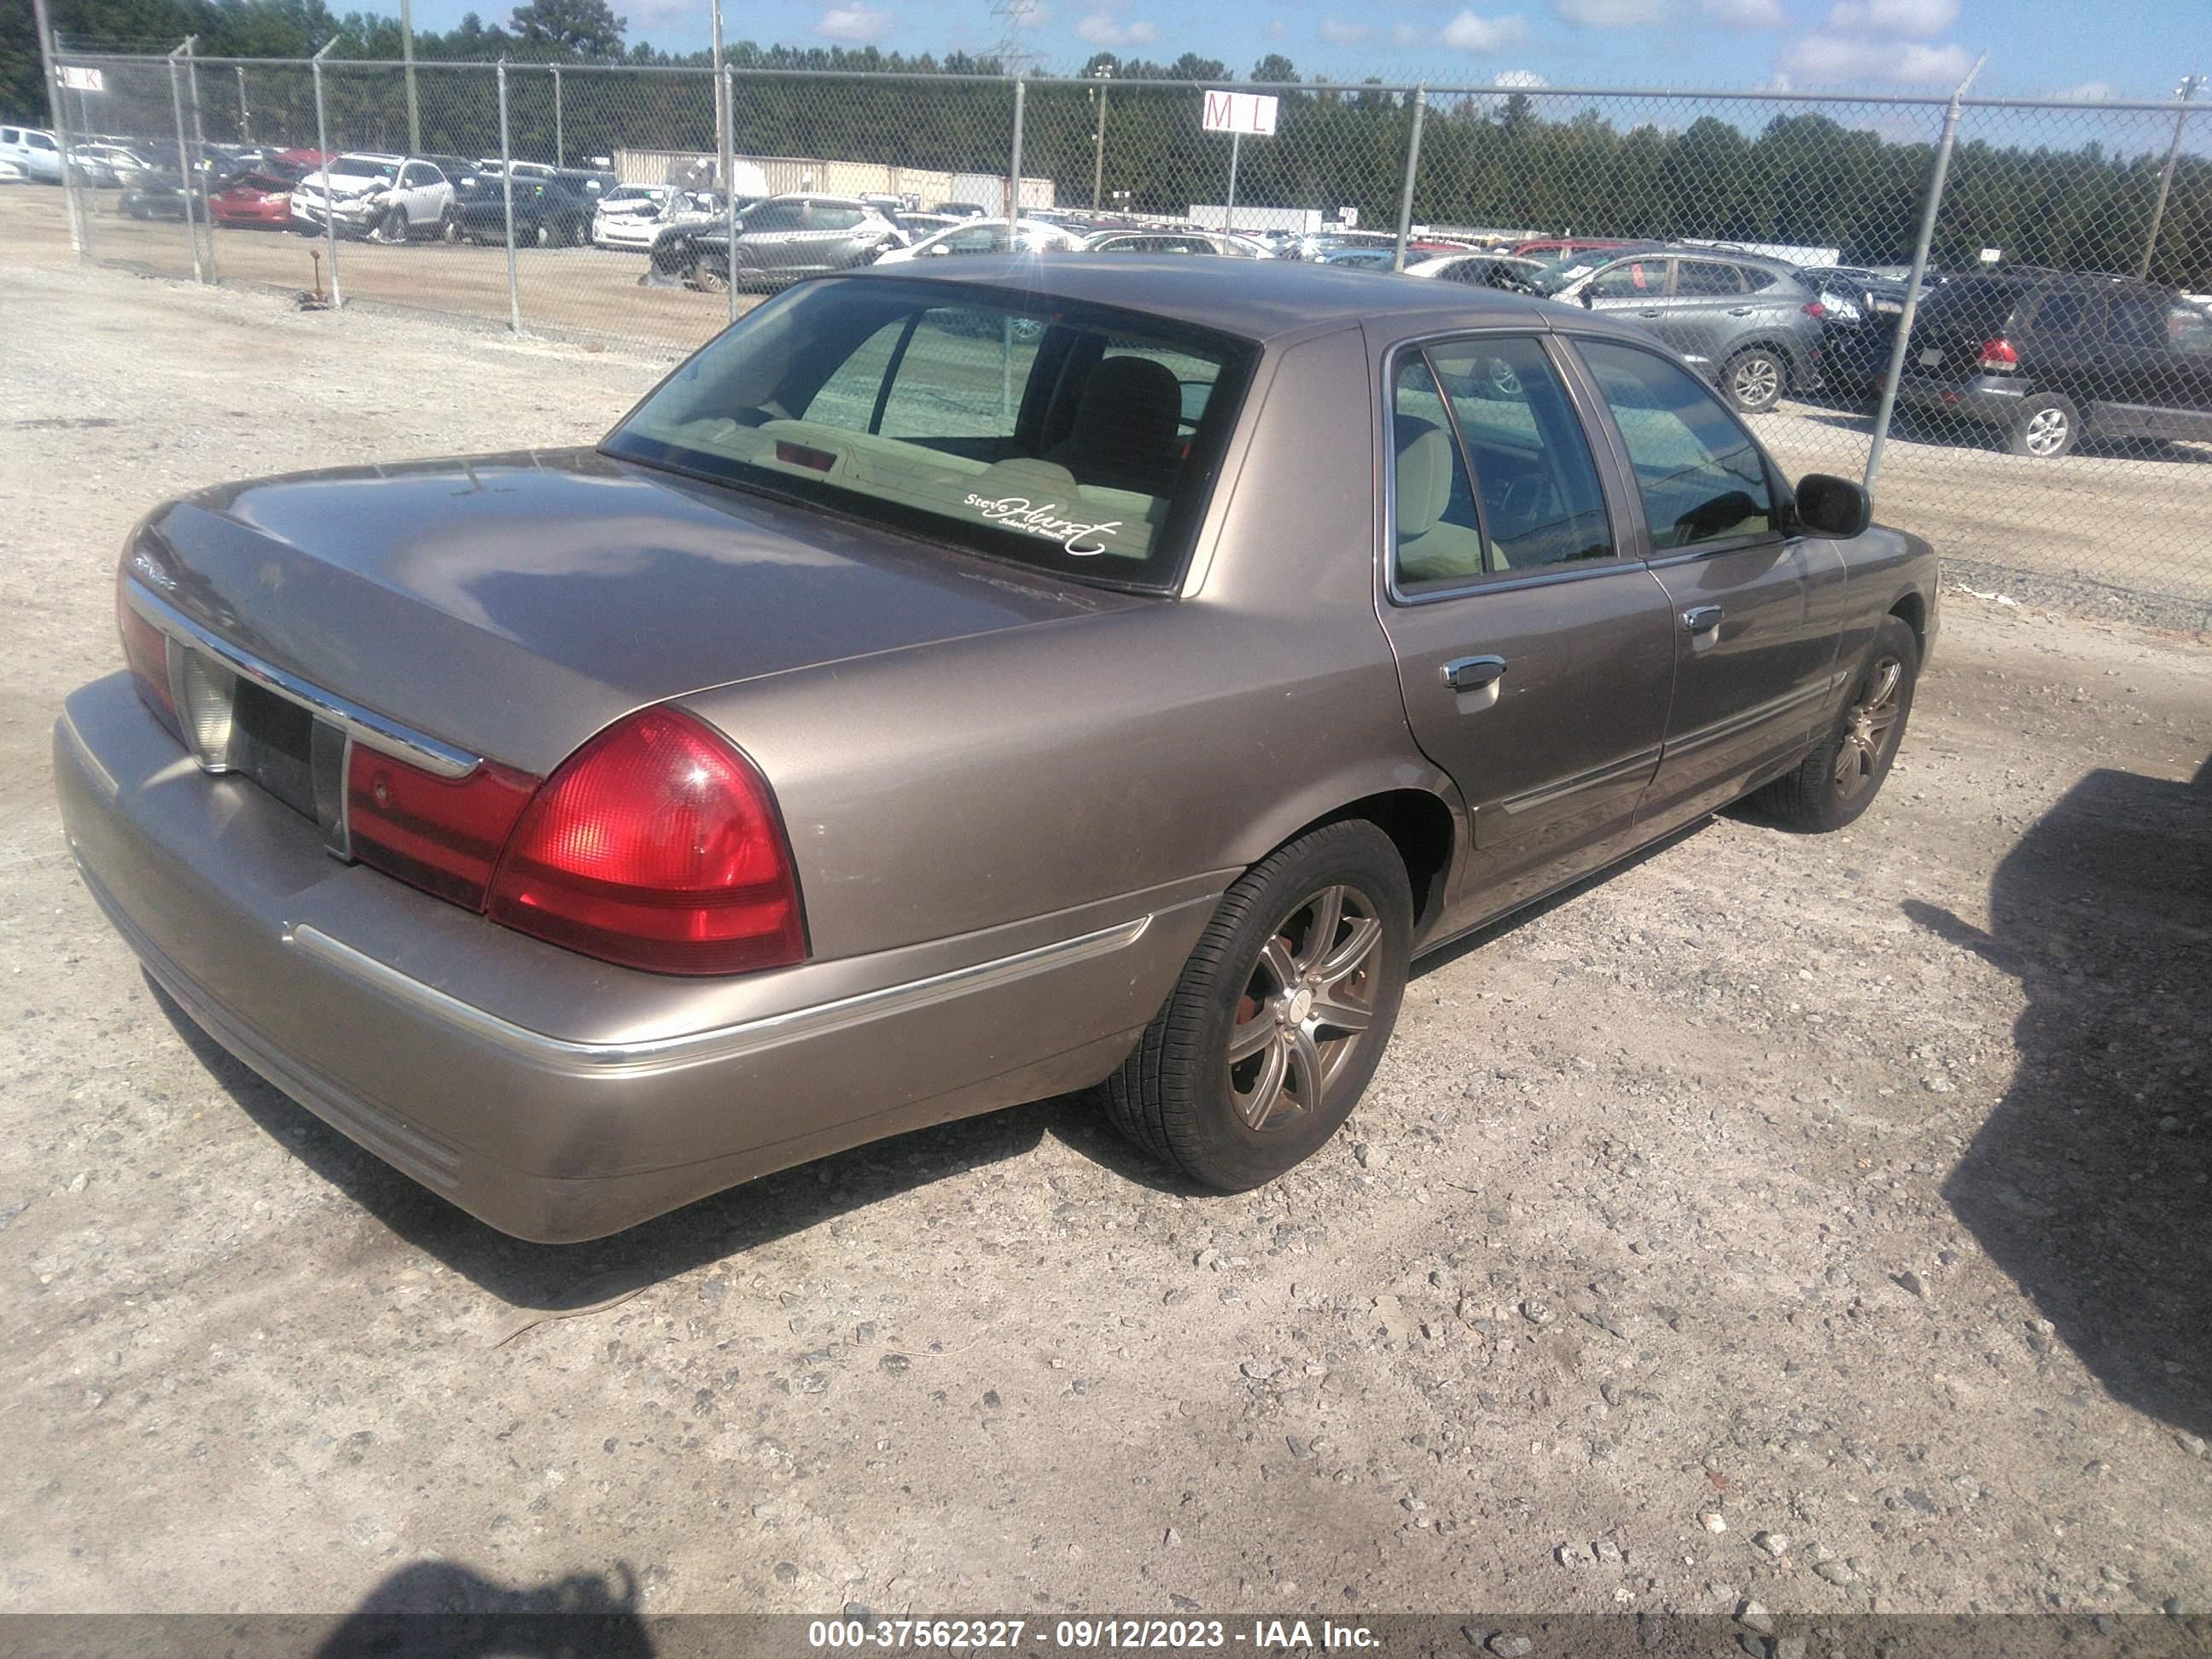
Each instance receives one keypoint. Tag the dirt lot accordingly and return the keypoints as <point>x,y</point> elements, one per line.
<point>2112,530</point>
<point>1846,1193</point>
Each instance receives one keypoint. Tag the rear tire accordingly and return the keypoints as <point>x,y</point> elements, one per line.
<point>1316,934</point>
<point>2044,427</point>
<point>1843,774</point>
<point>1755,380</point>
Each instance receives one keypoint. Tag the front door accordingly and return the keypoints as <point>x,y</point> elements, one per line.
<point>1750,617</point>
<point>1704,311</point>
<point>1634,289</point>
<point>1536,662</point>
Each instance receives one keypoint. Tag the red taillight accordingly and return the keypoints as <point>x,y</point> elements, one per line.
<point>146,650</point>
<point>441,834</point>
<point>1998,357</point>
<point>1814,309</point>
<point>655,845</point>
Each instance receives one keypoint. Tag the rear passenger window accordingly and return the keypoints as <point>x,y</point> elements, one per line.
<point>2059,313</point>
<point>1437,533</point>
<point>1702,478</point>
<point>2135,323</point>
<point>1633,279</point>
<point>1542,501</point>
<point>1705,277</point>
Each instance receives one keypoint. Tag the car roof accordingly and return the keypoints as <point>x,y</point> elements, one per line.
<point>1262,300</point>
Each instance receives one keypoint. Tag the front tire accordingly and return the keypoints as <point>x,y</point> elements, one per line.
<point>1755,380</point>
<point>394,229</point>
<point>1280,1015</point>
<point>1840,778</point>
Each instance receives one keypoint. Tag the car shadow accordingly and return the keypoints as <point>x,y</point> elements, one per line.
<point>1931,430</point>
<point>445,1610</point>
<point>548,1276</point>
<point>2089,1181</point>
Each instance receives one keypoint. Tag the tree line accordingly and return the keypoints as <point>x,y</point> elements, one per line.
<point>2064,197</point>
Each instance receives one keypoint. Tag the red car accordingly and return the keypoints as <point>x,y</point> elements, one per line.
<point>254,199</point>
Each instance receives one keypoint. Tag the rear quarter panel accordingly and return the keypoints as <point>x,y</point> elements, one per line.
<point>957,786</point>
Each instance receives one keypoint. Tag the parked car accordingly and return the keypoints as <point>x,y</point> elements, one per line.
<point>780,240</point>
<point>158,194</point>
<point>586,831</point>
<point>393,198</point>
<point>1554,247</point>
<point>2047,357</point>
<point>1169,241</point>
<point>628,215</point>
<point>983,236</point>
<point>34,150</point>
<point>919,225</point>
<point>1359,259</point>
<point>256,201</point>
<point>555,211</point>
<point>1749,324</point>
<point>961,209</point>
<point>11,173</point>
<point>1481,269</point>
<point>1859,309</point>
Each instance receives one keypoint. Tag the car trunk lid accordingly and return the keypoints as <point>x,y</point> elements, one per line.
<point>511,606</point>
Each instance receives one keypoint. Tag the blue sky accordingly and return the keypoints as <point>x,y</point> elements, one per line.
<point>2037,46</point>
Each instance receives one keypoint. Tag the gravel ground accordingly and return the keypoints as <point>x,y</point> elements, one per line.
<point>1819,1221</point>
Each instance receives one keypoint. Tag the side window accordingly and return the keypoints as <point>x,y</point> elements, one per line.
<point>2059,313</point>
<point>775,216</point>
<point>1755,279</point>
<point>1631,279</point>
<point>1542,501</point>
<point>413,176</point>
<point>38,141</point>
<point>1706,278</point>
<point>1702,478</point>
<point>2138,322</point>
<point>832,218</point>
<point>2190,330</point>
<point>1436,534</point>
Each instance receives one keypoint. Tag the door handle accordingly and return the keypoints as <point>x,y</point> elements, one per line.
<point>1473,673</point>
<point>1738,311</point>
<point>1652,313</point>
<point>1702,618</point>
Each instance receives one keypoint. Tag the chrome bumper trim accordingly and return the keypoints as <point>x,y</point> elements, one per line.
<point>363,726</point>
<point>721,1043</point>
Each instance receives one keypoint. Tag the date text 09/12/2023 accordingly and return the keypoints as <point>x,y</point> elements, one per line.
<point>1111,1634</point>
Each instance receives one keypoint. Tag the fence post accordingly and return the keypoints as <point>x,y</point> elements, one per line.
<point>1897,347</point>
<point>2185,91</point>
<point>1413,170</point>
<point>1014,185</point>
<point>407,54</point>
<point>560,134</point>
<point>1098,139</point>
<point>184,162</point>
<point>323,147</point>
<point>245,115</point>
<point>728,141</point>
<point>1229,208</point>
<point>506,193</point>
<point>199,141</point>
<point>79,219</point>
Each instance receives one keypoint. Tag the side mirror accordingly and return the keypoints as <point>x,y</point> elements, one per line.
<point>1590,302</point>
<point>1835,509</point>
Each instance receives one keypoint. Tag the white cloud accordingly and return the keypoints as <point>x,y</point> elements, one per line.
<point>1612,13</point>
<point>857,22</point>
<point>2089,92</point>
<point>1103,28</point>
<point>1277,28</point>
<point>1469,33</point>
<point>1743,14</point>
<point>1519,80</point>
<point>1910,20</point>
<point>1826,60</point>
<point>1405,34</point>
<point>1338,33</point>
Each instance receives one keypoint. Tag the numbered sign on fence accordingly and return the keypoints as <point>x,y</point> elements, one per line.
<point>82,80</point>
<point>1249,113</point>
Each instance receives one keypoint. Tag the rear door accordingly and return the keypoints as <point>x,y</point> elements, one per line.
<point>1536,655</point>
<point>1706,308</point>
<point>768,235</point>
<point>1753,656</point>
<point>2157,381</point>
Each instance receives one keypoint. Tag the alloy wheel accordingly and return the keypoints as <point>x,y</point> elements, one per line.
<point>1869,728</point>
<point>1756,382</point>
<point>2045,432</point>
<point>1306,1007</point>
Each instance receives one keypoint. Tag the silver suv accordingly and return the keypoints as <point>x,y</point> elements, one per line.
<point>788,237</point>
<point>1752,325</point>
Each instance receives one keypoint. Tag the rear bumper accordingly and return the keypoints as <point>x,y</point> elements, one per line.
<point>1988,398</point>
<point>553,1097</point>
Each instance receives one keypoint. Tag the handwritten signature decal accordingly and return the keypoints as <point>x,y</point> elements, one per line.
<point>1018,512</point>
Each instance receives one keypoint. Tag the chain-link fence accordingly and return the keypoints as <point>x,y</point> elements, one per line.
<point>2052,394</point>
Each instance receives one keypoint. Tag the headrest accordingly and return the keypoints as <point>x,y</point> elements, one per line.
<point>1425,475</point>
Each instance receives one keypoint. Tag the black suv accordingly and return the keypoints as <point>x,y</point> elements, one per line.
<point>2048,356</point>
<point>552,211</point>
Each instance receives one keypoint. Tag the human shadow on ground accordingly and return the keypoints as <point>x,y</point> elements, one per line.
<point>444,1610</point>
<point>2090,1183</point>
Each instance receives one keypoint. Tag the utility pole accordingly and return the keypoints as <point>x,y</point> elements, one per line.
<point>2187,90</point>
<point>725,154</point>
<point>245,115</point>
<point>407,57</point>
<point>1098,139</point>
<point>1413,172</point>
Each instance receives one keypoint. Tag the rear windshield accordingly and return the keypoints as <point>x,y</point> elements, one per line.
<point>1074,438</point>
